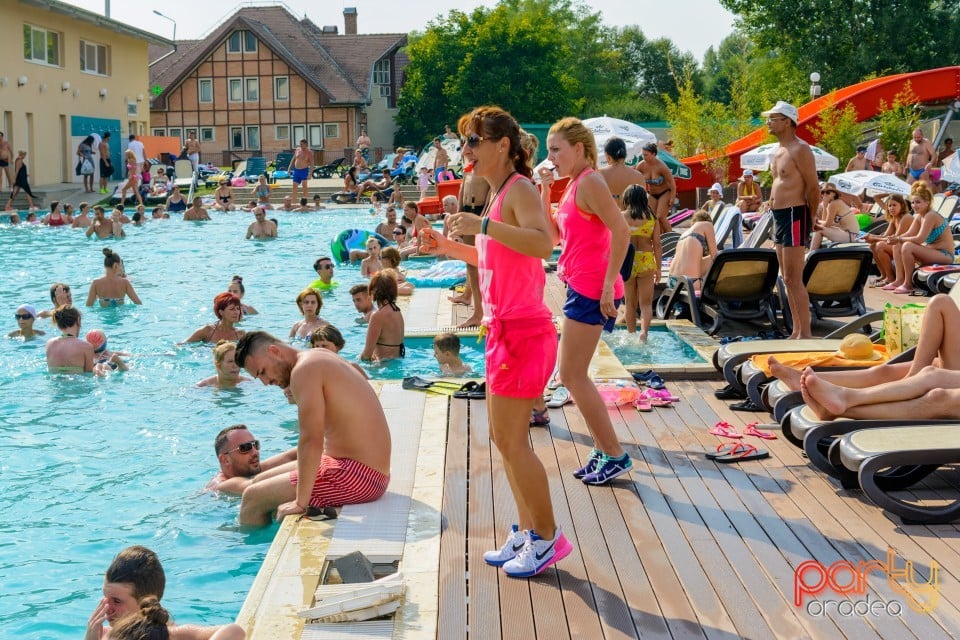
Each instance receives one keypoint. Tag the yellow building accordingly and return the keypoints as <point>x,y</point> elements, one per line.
<point>68,73</point>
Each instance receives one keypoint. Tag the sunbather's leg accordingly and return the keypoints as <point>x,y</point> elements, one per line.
<point>829,400</point>
<point>942,312</point>
<point>851,379</point>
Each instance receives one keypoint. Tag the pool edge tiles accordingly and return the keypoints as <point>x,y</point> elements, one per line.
<point>292,570</point>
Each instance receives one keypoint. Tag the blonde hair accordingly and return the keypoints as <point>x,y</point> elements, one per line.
<point>922,191</point>
<point>222,349</point>
<point>309,292</point>
<point>573,132</point>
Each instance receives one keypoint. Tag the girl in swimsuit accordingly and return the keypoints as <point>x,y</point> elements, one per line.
<point>309,302</point>
<point>371,264</point>
<point>695,251</point>
<point>898,222</point>
<point>928,241</point>
<point>176,202</point>
<point>228,372</point>
<point>113,288</point>
<point>223,197</point>
<point>385,330</point>
<point>511,240</point>
<point>229,311</point>
<point>660,184</point>
<point>133,179</point>
<point>645,273</point>
<point>837,222</point>
<point>54,218</point>
<point>236,288</point>
<point>263,193</point>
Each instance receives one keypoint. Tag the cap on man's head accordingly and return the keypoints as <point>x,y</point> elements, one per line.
<point>28,308</point>
<point>715,187</point>
<point>784,109</point>
<point>748,172</point>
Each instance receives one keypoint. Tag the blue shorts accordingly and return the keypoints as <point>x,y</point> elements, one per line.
<point>301,175</point>
<point>587,310</point>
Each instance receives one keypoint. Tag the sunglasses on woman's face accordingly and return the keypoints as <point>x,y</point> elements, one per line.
<point>473,140</point>
<point>22,316</point>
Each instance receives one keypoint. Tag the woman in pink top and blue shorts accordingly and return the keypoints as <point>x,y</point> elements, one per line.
<point>512,238</point>
<point>595,237</point>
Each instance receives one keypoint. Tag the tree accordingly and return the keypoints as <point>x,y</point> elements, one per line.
<point>897,121</point>
<point>837,131</point>
<point>701,126</point>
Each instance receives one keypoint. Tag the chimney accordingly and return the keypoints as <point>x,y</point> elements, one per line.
<point>350,21</point>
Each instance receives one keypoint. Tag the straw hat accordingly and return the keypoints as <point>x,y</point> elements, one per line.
<point>857,346</point>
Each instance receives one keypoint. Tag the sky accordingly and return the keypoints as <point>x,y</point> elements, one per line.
<point>655,18</point>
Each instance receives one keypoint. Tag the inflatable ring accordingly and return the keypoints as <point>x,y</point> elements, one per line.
<point>350,239</point>
<point>618,393</point>
<point>445,273</point>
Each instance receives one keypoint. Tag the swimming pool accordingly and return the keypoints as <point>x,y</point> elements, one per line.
<point>90,466</point>
<point>663,347</point>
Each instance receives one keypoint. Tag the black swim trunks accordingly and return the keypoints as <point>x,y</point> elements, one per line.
<point>4,163</point>
<point>106,170</point>
<point>791,226</point>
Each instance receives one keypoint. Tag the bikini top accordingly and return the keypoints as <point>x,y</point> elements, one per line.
<point>644,230</point>
<point>655,181</point>
<point>936,233</point>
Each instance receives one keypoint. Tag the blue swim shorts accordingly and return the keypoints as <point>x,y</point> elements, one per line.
<point>301,175</point>
<point>587,310</point>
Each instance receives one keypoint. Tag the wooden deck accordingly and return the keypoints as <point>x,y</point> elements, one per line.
<point>683,547</point>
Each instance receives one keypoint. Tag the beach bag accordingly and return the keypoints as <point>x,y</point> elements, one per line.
<point>79,166</point>
<point>901,326</point>
<point>86,167</point>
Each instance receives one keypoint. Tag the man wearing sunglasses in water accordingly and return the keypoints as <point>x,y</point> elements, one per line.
<point>238,453</point>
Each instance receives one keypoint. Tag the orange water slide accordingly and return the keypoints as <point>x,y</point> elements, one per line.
<point>931,86</point>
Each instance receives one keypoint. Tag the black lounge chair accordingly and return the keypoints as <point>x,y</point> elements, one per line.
<point>871,453</point>
<point>739,286</point>
<point>834,279</point>
<point>329,169</point>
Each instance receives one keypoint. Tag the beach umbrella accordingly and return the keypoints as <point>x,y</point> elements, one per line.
<point>759,159</point>
<point>874,182</point>
<point>950,171</point>
<point>634,147</point>
<point>607,126</point>
<point>677,168</point>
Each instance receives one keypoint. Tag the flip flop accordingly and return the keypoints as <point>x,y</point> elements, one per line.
<point>642,377</point>
<point>729,393</point>
<point>661,394</point>
<point>464,391</point>
<point>743,452</point>
<point>560,397</point>
<point>752,430</point>
<point>643,404</point>
<point>540,418</point>
<point>479,392</point>
<point>903,290</point>
<point>723,449</point>
<point>655,382</point>
<point>746,405</point>
<point>725,430</point>
<point>890,286</point>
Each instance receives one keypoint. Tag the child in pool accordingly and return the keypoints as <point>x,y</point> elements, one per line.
<point>446,349</point>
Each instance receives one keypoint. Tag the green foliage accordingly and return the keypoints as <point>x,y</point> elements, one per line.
<point>897,122</point>
<point>701,126</point>
<point>837,132</point>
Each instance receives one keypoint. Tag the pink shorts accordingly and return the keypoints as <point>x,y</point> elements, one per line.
<point>520,357</point>
<point>343,481</point>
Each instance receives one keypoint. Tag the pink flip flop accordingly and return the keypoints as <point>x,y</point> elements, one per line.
<point>725,430</point>
<point>661,394</point>
<point>643,404</point>
<point>890,286</point>
<point>752,430</point>
<point>902,290</point>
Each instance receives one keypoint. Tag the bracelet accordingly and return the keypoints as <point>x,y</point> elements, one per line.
<point>483,226</point>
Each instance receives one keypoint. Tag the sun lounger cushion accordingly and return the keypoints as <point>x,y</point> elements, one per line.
<point>802,360</point>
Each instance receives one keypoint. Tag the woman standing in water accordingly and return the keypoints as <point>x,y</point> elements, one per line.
<point>592,228</point>
<point>511,240</point>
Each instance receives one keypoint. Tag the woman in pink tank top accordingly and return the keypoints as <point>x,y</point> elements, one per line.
<point>512,237</point>
<point>595,237</point>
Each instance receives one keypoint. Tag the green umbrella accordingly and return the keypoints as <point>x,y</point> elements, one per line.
<point>677,168</point>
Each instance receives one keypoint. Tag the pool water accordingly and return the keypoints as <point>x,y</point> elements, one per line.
<point>663,347</point>
<point>420,361</point>
<point>91,465</point>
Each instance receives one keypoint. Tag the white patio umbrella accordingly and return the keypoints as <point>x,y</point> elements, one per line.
<point>759,159</point>
<point>951,168</point>
<point>607,126</point>
<point>634,147</point>
<point>874,182</point>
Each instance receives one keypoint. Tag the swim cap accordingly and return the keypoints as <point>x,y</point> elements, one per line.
<point>97,338</point>
<point>29,309</point>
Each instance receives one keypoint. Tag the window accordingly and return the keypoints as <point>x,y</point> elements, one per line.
<point>253,137</point>
<point>236,137</point>
<point>384,91</point>
<point>205,90</point>
<point>131,108</point>
<point>239,39</point>
<point>187,133</point>
<point>253,89</point>
<point>175,133</point>
<point>299,133</point>
<point>40,45</point>
<point>283,133</point>
<point>281,88</point>
<point>331,131</point>
<point>159,132</point>
<point>236,89</point>
<point>206,134</point>
<point>381,71</point>
<point>315,139</point>
<point>93,58</point>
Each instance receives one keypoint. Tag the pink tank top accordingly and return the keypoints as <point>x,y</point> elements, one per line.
<point>586,246</point>
<point>515,290</point>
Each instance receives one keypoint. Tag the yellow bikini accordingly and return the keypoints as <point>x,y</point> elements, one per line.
<point>644,261</point>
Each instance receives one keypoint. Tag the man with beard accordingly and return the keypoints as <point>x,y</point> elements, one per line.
<point>344,445</point>
<point>238,453</point>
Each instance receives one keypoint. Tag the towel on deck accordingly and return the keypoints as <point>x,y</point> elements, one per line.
<point>801,361</point>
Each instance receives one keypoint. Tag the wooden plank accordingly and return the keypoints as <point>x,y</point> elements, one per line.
<point>453,540</point>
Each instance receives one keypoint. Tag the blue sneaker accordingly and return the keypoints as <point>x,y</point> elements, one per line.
<point>591,465</point>
<point>511,547</point>
<point>538,554</point>
<point>607,469</point>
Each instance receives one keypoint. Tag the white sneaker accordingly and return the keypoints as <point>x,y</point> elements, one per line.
<point>511,547</point>
<point>538,554</point>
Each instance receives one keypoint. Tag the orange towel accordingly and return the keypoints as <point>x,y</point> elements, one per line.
<point>806,359</point>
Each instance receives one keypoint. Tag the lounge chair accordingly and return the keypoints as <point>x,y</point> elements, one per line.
<point>256,167</point>
<point>183,175</point>
<point>760,233</point>
<point>871,453</point>
<point>280,165</point>
<point>739,286</point>
<point>835,279</point>
<point>729,225</point>
<point>328,170</point>
<point>680,216</point>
